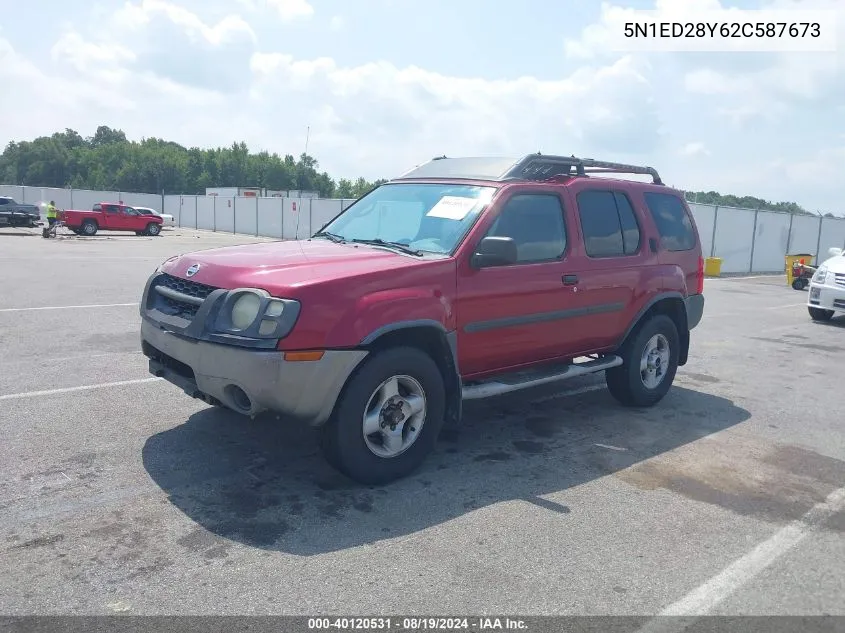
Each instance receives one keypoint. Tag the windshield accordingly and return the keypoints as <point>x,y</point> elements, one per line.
<point>425,217</point>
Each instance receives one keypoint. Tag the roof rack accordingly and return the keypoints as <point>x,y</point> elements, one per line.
<point>543,167</point>
<point>537,167</point>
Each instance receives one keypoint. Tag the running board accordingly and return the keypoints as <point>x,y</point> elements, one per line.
<point>502,386</point>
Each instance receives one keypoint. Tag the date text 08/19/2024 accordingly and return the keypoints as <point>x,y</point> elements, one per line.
<point>416,624</point>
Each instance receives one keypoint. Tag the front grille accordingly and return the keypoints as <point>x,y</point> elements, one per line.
<point>176,307</point>
<point>839,279</point>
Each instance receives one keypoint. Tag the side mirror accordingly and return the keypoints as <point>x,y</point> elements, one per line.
<point>494,251</point>
<point>834,252</point>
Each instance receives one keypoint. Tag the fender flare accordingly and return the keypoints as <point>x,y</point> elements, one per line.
<point>683,331</point>
<point>454,387</point>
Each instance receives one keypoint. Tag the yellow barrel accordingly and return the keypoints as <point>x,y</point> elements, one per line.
<point>797,257</point>
<point>713,266</point>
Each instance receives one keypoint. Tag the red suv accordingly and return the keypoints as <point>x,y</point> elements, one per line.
<point>463,278</point>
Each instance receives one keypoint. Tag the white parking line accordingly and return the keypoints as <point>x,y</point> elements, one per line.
<point>102,385</point>
<point>786,305</point>
<point>96,305</point>
<point>703,599</point>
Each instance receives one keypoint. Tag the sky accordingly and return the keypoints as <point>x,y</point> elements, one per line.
<point>384,85</point>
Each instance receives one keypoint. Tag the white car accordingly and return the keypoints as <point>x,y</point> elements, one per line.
<point>827,287</point>
<point>168,219</point>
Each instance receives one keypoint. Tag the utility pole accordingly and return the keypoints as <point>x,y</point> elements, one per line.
<point>307,137</point>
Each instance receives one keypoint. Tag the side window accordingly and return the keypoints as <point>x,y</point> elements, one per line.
<point>97,207</point>
<point>672,221</point>
<point>112,208</point>
<point>535,222</point>
<point>4,201</point>
<point>609,224</point>
<point>628,221</point>
<point>600,224</point>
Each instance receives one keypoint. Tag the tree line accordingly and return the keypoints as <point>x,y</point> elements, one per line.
<point>109,161</point>
<point>747,202</point>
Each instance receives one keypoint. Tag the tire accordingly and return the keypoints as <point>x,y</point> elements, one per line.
<point>820,314</point>
<point>153,229</point>
<point>798,284</point>
<point>626,382</point>
<point>89,228</point>
<point>368,460</point>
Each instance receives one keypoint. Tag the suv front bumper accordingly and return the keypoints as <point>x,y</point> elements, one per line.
<point>250,381</point>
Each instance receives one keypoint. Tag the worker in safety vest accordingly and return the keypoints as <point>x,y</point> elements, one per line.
<point>52,212</point>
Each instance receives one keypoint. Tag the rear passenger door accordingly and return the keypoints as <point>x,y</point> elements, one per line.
<point>614,264</point>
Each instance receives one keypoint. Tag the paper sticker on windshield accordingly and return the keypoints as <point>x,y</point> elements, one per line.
<point>452,207</point>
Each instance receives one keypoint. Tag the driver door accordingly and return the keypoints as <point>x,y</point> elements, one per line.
<point>513,315</point>
<point>132,219</point>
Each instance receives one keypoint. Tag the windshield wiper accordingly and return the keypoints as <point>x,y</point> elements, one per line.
<point>396,245</point>
<point>337,239</point>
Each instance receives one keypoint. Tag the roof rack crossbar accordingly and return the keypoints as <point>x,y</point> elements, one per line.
<point>543,167</point>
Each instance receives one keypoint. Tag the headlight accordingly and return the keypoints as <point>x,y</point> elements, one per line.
<point>821,275</point>
<point>245,311</point>
<point>254,314</point>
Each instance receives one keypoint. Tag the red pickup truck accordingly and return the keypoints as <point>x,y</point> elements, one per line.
<point>463,278</point>
<point>109,216</point>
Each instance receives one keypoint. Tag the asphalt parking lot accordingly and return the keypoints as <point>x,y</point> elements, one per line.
<point>119,494</point>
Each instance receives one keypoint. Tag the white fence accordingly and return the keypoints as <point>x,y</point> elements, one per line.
<point>747,241</point>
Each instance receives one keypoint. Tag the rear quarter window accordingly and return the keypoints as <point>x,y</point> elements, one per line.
<point>672,221</point>
<point>97,207</point>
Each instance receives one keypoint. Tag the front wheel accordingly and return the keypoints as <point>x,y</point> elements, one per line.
<point>153,229</point>
<point>388,417</point>
<point>649,363</point>
<point>820,314</point>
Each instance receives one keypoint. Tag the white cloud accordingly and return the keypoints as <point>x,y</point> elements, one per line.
<point>290,10</point>
<point>336,23</point>
<point>750,81</point>
<point>695,148</point>
<point>139,16</point>
<point>286,10</point>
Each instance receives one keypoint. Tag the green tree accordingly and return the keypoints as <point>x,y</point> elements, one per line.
<point>109,161</point>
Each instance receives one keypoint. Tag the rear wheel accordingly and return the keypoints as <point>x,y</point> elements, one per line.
<point>388,417</point>
<point>89,227</point>
<point>649,363</point>
<point>153,229</point>
<point>820,314</point>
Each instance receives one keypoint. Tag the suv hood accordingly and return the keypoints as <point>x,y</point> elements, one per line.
<point>273,265</point>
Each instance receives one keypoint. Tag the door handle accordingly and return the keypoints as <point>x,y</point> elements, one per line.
<point>569,280</point>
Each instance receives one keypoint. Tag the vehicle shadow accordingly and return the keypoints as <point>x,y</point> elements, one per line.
<point>836,321</point>
<point>264,483</point>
